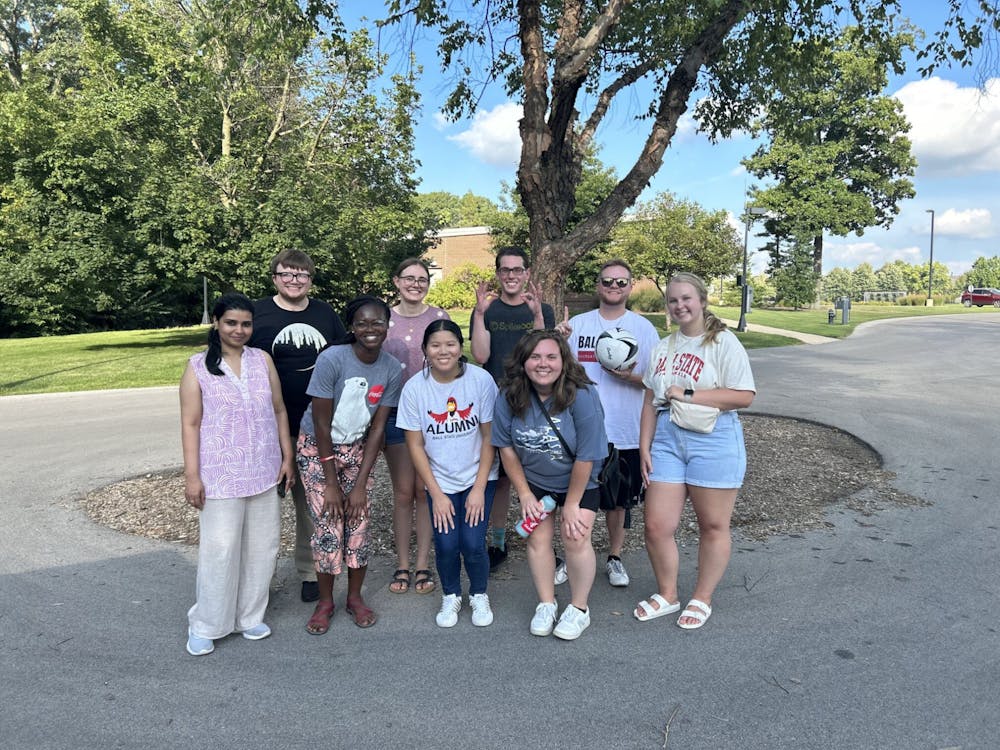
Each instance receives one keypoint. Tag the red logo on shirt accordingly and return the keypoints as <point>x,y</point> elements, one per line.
<point>451,410</point>
<point>375,394</point>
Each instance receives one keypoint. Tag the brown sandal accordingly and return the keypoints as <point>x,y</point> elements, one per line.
<point>364,616</point>
<point>424,582</point>
<point>400,581</point>
<point>319,623</point>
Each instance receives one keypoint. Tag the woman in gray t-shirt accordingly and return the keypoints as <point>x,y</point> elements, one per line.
<point>549,427</point>
<point>353,387</point>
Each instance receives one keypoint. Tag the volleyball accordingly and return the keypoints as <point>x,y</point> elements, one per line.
<point>617,349</point>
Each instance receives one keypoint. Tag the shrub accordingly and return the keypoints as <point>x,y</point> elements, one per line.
<point>648,299</point>
<point>920,300</point>
<point>458,289</point>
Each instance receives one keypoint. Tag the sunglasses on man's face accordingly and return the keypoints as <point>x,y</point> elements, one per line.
<point>609,283</point>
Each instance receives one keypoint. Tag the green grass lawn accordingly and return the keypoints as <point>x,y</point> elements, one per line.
<point>135,359</point>
<point>814,321</point>
<point>97,361</point>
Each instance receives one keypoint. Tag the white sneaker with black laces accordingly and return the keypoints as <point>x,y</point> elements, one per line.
<point>482,615</point>
<point>544,619</point>
<point>572,623</point>
<point>617,575</point>
<point>451,605</point>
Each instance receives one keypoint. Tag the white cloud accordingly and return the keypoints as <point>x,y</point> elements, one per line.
<point>493,137</point>
<point>974,223</point>
<point>957,267</point>
<point>687,128</point>
<point>852,254</point>
<point>955,130</point>
<point>441,122</point>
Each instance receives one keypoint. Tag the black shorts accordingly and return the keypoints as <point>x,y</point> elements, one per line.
<point>591,499</point>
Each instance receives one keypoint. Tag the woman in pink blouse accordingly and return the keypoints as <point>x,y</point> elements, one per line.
<point>237,449</point>
<point>407,322</point>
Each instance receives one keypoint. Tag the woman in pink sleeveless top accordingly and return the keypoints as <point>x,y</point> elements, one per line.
<point>237,449</point>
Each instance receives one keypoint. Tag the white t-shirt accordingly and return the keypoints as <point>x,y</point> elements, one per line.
<point>622,401</point>
<point>722,364</point>
<point>449,415</point>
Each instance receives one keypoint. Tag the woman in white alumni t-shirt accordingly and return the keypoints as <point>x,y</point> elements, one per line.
<point>447,413</point>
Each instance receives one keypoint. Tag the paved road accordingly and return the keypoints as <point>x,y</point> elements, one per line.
<point>879,632</point>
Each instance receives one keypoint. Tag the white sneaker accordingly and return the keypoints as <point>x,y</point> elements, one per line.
<point>482,615</point>
<point>572,623</point>
<point>451,604</point>
<point>617,575</point>
<point>198,646</point>
<point>258,631</point>
<point>561,575</point>
<point>544,619</point>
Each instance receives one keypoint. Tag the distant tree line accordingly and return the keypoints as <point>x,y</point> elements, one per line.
<point>911,278</point>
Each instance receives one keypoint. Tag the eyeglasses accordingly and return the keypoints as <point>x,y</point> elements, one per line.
<point>418,280</point>
<point>519,271</point>
<point>287,276</point>
<point>607,283</point>
<point>369,325</point>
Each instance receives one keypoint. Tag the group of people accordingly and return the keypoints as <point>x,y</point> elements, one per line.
<point>536,418</point>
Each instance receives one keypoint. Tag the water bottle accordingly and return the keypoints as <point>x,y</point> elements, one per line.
<point>526,525</point>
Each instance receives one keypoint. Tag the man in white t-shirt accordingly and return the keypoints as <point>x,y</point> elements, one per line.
<point>621,394</point>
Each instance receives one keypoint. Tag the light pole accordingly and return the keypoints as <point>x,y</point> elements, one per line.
<point>204,299</point>
<point>750,212</point>
<point>930,271</point>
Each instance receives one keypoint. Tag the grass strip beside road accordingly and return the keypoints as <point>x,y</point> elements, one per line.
<point>815,321</point>
<point>138,359</point>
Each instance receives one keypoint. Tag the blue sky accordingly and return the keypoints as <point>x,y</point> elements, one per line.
<point>955,135</point>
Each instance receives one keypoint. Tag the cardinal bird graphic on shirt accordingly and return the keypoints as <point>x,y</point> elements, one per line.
<point>451,410</point>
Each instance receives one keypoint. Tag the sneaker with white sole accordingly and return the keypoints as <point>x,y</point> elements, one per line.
<point>482,615</point>
<point>572,623</point>
<point>544,619</point>
<point>198,646</point>
<point>617,575</point>
<point>257,632</point>
<point>561,575</point>
<point>451,605</point>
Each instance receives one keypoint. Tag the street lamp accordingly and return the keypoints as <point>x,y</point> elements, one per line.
<point>750,212</point>
<point>930,272</point>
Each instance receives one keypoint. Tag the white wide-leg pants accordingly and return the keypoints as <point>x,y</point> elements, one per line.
<point>237,553</point>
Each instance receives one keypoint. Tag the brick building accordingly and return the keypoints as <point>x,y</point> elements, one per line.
<point>457,246</point>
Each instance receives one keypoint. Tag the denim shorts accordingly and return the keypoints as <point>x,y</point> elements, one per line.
<point>393,435</point>
<point>717,460</point>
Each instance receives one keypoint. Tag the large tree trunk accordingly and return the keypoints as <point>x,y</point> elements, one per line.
<point>818,255</point>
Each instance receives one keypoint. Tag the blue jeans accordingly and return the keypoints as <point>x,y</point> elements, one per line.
<point>464,541</point>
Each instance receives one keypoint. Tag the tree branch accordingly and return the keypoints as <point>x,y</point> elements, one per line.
<point>606,96</point>
<point>582,50</point>
<point>280,116</point>
<point>673,103</point>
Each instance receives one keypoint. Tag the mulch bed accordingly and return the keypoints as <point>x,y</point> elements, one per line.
<point>795,472</point>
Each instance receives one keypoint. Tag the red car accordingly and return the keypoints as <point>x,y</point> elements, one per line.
<point>980,297</point>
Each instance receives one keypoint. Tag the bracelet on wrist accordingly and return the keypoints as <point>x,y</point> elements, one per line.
<point>328,458</point>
